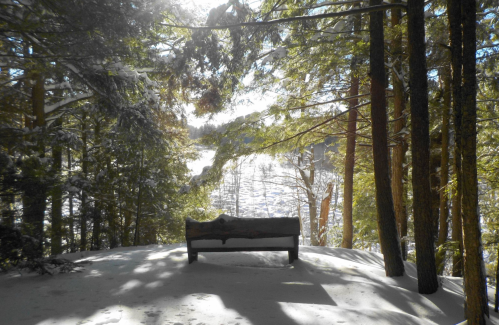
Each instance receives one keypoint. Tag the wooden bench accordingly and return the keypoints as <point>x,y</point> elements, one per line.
<point>230,234</point>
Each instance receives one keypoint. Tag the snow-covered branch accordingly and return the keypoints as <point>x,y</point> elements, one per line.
<point>51,108</point>
<point>297,18</point>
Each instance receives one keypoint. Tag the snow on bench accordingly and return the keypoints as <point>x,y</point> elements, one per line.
<point>230,234</point>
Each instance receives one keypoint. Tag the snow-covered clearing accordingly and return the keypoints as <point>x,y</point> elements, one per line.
<point>156,285</point>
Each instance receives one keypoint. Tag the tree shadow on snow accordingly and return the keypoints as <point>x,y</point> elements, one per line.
<point>156,285</point>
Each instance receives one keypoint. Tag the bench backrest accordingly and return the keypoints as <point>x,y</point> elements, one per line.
<point>224,228</point>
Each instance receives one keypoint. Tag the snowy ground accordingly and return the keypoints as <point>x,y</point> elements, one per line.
<point>156,285</point>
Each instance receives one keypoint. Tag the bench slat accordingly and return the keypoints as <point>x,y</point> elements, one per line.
<point>242,228</point>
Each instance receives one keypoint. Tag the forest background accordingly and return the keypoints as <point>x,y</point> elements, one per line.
<point>95,139</point>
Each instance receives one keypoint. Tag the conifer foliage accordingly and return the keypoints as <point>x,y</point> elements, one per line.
<point>94,142</point>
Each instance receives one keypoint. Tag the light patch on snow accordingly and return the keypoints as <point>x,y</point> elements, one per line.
<point>143,268</point>
<point>130,285</point>
<point>325,286</point>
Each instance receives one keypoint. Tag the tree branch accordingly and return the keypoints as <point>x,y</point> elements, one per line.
<point>290,19</point>
<point>308,130</point>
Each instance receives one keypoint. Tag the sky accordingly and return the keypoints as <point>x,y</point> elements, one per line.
<point>155,285</point>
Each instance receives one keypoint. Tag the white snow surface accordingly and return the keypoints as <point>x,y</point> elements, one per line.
<point>156,285</point>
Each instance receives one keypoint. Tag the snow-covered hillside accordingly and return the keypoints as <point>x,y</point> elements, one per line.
<point>156,285</point>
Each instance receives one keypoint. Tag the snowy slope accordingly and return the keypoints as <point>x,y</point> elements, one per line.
<point>155,285</point>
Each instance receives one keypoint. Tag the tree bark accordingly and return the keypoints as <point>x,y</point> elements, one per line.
<point>423,222</point>
<point>347,241</point>
<point>72,244</point>
<point>136,238</point>
<point>98,196</point>
<point>111,205</point>
<point>496,296</point>
<point>400,148</point>
<point>474,268</point>
<point>455,35</point>
<point>388,235</point>
<point>35,189</point>
<point>324,215</point>
<point>84,169</point>
<point>127,223</point>
<point>443,228</point>
<point>56,234</point>
<point>435,160</point>
<point>308,180</point>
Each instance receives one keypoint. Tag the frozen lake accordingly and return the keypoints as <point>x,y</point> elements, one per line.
<point>259,186</point>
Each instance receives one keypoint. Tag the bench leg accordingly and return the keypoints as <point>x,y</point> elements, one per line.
<point>291,256</point>
<point>192,257</point>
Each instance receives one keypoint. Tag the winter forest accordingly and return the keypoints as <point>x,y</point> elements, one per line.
<point>381,132</point>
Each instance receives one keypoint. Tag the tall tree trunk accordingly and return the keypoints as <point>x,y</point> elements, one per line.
<point>308,180</point>
<point>298,209</point>
<point>35,191</point>
<point>84,168</point>
<point>98,196</point>
<point>420,136</point>
<point>324,215</point>
<point>496,296</point>
<point>474,268</point>
<point>127,224</point>
<point>435,160</point>
<point>136,239</point>
<point>347,241</point>
<point>455,35</point>
<point>97,225</point>
<point>388,235</point>
<point>72,244</point>
<point>400,148</point>
<point>56,235</point>
<point>443,228</point>
<point>111,205</point>
<point>8,197</point>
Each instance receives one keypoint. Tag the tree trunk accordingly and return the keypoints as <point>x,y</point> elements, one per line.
<point>455,34</point>
<point>298,209</point>
<point>34,202</point>
<point>308,180</point>
<point>496,297</point>
<point>474,268</point>
<point>72,244</point>
<point>443,228</point>
<point>423,222</point>
<point>84,168</point>
<point>324,214</point>
<point>98,195</point>
<point>400,148</point>
<point>34,199</point>
<point>435,160</point>
<point>56,235</point>
<point>97,225</point>
<point>111,205</point>
<point>388,235</point>
<point>136,238</point>
<point>127,224</point>
<point>347,241</point>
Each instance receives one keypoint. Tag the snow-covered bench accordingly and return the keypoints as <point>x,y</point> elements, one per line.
<point>230,234</point>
